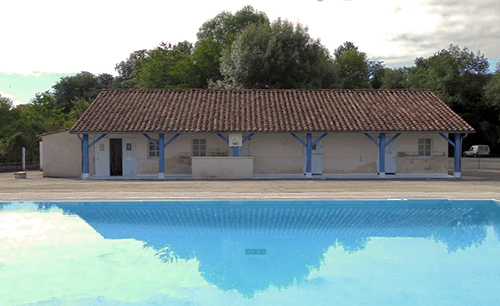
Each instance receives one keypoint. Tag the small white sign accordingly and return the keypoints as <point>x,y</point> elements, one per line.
<point>235,140</point>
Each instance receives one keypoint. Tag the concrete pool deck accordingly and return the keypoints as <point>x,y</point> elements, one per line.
<point>475,184</point>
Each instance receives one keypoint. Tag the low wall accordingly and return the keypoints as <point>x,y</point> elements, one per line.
<point>212,167</point>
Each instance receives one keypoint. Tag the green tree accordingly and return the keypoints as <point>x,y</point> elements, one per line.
<point>126,69</point>
<point>167,66</point>
<point>395,78</point>
<point>223,28</point>
<point>280,55</point>
<point>78,108</point>
<point>83,85</point>
<point>377,71</point>
<point>39,116</point>
<point>353,69</point>
<point>342,49</point>
<point>9,117</point>
<point>217,35</point>
<point>492,101</point>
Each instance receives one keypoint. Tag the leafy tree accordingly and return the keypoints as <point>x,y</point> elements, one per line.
<point>126,68</point>
<point>206,62</point>
<point>342,49</point>
<point>39,116</point>
<point>492,101</point>
<point>7,116</point>
<point>280,55</point>
<point>167,66</point>
<point>83,85</point>
<point>353,69</point>
<point>217,35</point>
<point>78,108</point>
<point>224,27</point>
<point>395,78</point>
<point>377,71</point>
<point>8,119</point>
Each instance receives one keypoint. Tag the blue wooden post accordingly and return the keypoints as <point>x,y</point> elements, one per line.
<point>235,151</point>
<point>85,156</point>
<point>161,163</point>
<point>457,173</point>
<point>309,155</point>
<point>381,150</point>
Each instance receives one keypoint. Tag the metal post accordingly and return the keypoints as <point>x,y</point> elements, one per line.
<point>41,155</point>
<point>309,155</point>
<point>85,156</point>
<point>381,149</point>
<point>23,163</point>
<point>161,147</point>
<point>457,172</point>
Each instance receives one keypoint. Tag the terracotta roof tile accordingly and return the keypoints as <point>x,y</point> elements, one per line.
<point>251,110</point>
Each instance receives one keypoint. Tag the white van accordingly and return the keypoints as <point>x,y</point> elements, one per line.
<point>478,150</point>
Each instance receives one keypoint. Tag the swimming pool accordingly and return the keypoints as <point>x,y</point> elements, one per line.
<point>404,252</point>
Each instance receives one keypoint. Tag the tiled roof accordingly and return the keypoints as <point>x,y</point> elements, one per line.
<point>267,110</point>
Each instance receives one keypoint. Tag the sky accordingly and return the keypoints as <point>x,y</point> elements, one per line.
<point>43,40</point>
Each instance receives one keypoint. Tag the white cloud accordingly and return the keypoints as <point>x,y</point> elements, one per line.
<point>15,101</point>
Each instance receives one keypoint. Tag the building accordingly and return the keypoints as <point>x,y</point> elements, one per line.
<point>294,133</point>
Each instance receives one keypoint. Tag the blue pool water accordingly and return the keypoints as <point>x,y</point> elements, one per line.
<point>404,252</point>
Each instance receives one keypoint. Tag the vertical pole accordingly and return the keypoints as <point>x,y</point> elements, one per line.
<point>457,172</point>
<point>382,155</point>
<point>41,155</point>
<point>85,156</point>
<point>161,144</point>
<point>309,155</point>
<point>235,151</point>
<point>23,162</point>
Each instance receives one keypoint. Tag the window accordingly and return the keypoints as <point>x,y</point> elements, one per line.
<point>199,147</point>
<point>153,151</point>
<point>425,147</point>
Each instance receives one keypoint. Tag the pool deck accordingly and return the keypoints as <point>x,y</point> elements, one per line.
<point>475,184</point>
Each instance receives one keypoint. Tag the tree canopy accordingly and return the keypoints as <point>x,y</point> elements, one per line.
<point>277,55</point>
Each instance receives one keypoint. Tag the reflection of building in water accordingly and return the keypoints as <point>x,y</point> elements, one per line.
<point>249,247</point>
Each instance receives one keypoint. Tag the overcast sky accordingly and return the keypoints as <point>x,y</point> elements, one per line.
<point>56,36</point>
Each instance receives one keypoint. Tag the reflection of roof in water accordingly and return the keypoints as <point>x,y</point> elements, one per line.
<point>293,235</point>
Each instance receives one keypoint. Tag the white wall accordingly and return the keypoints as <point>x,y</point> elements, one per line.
<point>349,153</point>
<point>410,162</point>
<point>62,155</point>
<point>343,153</point>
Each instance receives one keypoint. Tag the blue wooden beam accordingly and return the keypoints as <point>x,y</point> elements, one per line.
<point>151,139</point>
<point>447,139</point>
<point>308,145</point>
<point>85,156</point>
<point>372,139</point>
<point>309,154</point>
<point>298,139</point>
<point>247,138</point>
<point>457,158</point>
<point>171,140</point>
<point>161,162</point>
<point>381,150</point>
<point>319,138</point>
<point>97,140</point>
<point>161,150</point>
<point>223,138</point>
<point>392,139</point>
